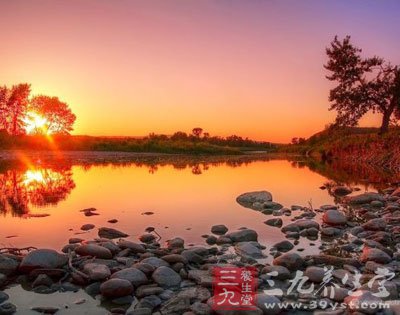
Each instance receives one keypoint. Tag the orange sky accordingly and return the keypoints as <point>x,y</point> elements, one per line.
<point>252,68</point>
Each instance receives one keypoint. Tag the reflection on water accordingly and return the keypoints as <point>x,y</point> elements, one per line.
<point>187,194</point>
<point>40,187</point>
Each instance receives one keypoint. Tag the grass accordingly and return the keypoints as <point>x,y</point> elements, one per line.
<point>352,144</point>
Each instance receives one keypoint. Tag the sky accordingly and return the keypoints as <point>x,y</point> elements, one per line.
<point>248,67</point>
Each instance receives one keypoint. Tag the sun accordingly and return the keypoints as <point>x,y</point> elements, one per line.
<point>35,124</point>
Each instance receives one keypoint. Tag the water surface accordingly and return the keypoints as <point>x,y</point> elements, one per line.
<point>41,196</point>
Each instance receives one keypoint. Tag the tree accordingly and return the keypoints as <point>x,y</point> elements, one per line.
<point>197,132</point>
<point>13,105</point>
<point>58,115</point>
<point>364,84</point>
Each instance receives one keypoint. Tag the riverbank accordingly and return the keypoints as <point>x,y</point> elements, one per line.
<point>358,238</point>
<point>352,145</point>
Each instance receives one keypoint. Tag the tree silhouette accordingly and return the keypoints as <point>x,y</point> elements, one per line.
<point>13,105</point>
<point>197,132</point>
<point>364,84</point>
<point>58,115</point>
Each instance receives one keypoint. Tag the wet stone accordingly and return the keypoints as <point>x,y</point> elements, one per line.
<point>219,229</point>
<point>111,233</point>
<point>116,288</point>
<point>3,297</point>
<point>166,277</point>
<point>133,275</point>
<point>87,227</point>
<point>276,222</point>
<point>7,308</point>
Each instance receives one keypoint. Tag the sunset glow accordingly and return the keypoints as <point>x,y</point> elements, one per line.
<point>36,124</point>
<point>33,177</point>
<point>129,68</point>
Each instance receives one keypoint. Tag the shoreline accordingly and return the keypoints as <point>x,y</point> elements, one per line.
<point>359,235</point>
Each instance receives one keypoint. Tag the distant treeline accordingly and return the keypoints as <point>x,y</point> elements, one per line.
<point>178,143</point>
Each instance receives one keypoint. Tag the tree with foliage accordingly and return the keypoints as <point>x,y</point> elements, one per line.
<point>364,85</point>
<point>197,132</point>
<point>13,104</point>
<point>58,115</point>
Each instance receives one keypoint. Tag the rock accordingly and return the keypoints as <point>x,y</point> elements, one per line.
<point>328,207</point>
<point>202,277</point>
<point>273,304</point>
<point>272,205</point>
<point>375,225</point>
<point>155,262</point>
<point>7,309</point>
<point>323,259</point>
<point>248,199</point>
<point>341,191</point>
<point>148,289</point>
<point>42,279</point>
<point>110,245</point>
<point>278,272</point>
<point>364,198</point>
<point>87,227</point>
<point>291,261</point>
<point>42,258</point>
<point>175,243</point>
<point>330,231</point>
<point>299,225</point>
<point>133,275</point>
<point>134,247</point>
<point>195,293</point>
<point>8,265</point>
<point>116,288</point>
<point>199,308</point>
<point>312,232</point>
<point>374,254</point>
<point>94,251</point>
<point>366,299</point>
<point>334,217</point>
<point>174,258</point>
<point>219,229</point>
<point>315,274</point>
<point>223,240</point>
<point>145,268</point>
<point>110,233</point>
<point>377,204</point>
<point>93,289</point>
<point>249,249</point>
<point>211,240</point>
<point>192,256</point>
<point>113,221</point>
<point>89,212</point>
<point>338,295</point>
<point>245,235</point>
<point>166,277</point>
<point>283,246</point>
<point>97,272</point>
<point>276,222</point>
<point>147,238</point>
<point>175,305</point>
<point>3,297</point>
<point>396,193</point>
